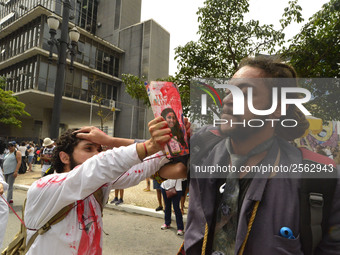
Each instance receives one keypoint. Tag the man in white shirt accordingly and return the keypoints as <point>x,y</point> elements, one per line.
<point>3,208</point>
<point>82,170</point>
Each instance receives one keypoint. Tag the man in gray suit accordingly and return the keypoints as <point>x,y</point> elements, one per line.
<point>251,212</point>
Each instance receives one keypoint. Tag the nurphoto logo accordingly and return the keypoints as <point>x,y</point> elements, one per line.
<point>239,104</point>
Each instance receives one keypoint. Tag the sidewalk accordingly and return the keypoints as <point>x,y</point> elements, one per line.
<point>135,199</point>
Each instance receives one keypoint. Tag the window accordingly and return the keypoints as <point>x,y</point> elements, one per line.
<point>106,62</point>
<point>86,53</point>
<point>111,64</point>
<point>79,57</point>
<point>116,67</point>
<point>100,60</point>
<point>93,56</point>
<point>117,15</point>
<point>84,82</point>
<point>52,74</point>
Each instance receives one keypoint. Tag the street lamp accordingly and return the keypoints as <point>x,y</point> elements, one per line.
<point>62,46</point>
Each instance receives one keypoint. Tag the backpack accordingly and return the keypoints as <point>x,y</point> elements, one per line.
<point>18,245</point>
<point>316,194</point>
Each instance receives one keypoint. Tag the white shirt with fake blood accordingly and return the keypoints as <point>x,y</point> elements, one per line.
<point>3,210</point>
<point>81,230</point>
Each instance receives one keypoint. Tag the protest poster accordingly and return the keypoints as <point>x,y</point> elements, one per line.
<point>166,102</point>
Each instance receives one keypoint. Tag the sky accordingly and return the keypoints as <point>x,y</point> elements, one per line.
<point>179,18</point>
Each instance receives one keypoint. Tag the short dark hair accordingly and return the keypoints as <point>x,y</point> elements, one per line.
<point>275,68</point>
<point>66,143</point>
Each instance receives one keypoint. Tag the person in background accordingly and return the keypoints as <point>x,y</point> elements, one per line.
<point>175,203</point>
<point>12,164</point>
<point>147,185</point>
<point>30,150</point>
<point>36,154</point>
<point>117,201</point>
<point>23,148</point>
<point>158,189</point>
<point>46,155</point>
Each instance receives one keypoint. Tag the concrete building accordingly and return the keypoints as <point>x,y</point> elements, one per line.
<point>113,41</point>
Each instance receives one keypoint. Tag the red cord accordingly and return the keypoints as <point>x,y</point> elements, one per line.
<point>146,151</point>
<point>23,223</point>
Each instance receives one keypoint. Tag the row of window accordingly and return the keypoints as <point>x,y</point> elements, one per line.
<point>22,76</point>
<point>86,14</point>
<point>78,84</point>
<point>22,6</point>
<point>21,40</point>
<point>91,53</point>
<point>84,11</point>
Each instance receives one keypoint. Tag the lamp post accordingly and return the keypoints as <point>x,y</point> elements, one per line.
<point>62,46</point>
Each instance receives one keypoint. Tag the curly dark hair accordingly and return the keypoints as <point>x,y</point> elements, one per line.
<point>275,68</point>
<point>66,143</point>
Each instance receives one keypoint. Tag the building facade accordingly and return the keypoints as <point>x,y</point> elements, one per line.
<point>112,41</point>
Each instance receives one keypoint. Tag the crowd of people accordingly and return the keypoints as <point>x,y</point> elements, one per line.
<point>19,158</point>
<point>267,213</point>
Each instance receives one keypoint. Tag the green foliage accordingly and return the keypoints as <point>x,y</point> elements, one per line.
<point>315,52</point>
<point>97,97</point>
<point>226,38</point>
<point>10,108</point>
<point>135,87</point>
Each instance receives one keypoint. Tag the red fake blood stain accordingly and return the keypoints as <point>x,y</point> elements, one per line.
<point>91,231</point>
<point>41,183</point>
<point>170,92</point>
<point>73,246</point>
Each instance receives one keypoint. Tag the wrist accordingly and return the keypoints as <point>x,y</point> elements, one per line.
<point>112,142</point>
<point>150,148</point>
<point>140,151</point>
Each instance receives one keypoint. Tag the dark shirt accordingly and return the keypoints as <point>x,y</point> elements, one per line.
<point>244,184</point>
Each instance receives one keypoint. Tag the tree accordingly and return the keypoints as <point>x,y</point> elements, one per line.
<point>135,86</point>
<point>315,53</point>
<point>10,108</point>
<point>97,97</point>
<point>226,38</point>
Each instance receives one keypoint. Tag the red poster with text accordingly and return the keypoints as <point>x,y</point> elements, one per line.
<point>166,102</point>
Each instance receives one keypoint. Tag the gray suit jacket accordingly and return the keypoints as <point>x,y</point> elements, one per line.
<point>279,207</point>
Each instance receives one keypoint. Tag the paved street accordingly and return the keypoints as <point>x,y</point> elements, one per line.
<point>127,233</point>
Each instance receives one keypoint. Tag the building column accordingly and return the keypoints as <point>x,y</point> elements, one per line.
<point>46,126</point>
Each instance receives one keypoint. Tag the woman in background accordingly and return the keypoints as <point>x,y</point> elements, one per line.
<point>175,203</point>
